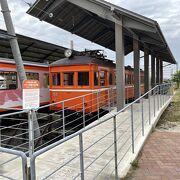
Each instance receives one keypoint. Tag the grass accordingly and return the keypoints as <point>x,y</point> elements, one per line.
<point>171,116</point>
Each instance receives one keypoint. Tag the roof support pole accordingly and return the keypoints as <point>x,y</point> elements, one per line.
<point>161,71</point>
<point>13,40</point>
<point>120,81</point>
<point>16,53</point>
<point>152,71</point>
<point>157,70</point>
<point>146,69</point>
<point>136,67</point>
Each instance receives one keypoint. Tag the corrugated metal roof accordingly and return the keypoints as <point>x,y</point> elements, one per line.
<point>31,49</point>
<point>95,20</point>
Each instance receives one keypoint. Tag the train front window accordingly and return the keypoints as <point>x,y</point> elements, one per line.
<point>96,76</point>
<point>102,78</point>
<point>56,79</point>
<point>110,79</point>
<point>68,79</point>
<point>83,78</point>
<point>32,76</point>
<point>8,80</point>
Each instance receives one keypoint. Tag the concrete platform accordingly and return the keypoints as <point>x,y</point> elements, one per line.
<point>98,158</point>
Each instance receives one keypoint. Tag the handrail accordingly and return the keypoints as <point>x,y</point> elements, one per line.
<point>20,154</point>
<point>41,151</point>
<point>14,113</point>
<point>78,97</point>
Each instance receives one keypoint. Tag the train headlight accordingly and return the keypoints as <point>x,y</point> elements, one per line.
<point>68,53</point>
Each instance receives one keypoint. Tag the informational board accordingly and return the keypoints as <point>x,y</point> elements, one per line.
<point>31,94</point>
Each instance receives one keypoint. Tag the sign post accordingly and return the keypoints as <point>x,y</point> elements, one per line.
<point>31,94</point>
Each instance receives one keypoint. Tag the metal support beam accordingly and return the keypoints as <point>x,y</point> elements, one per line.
<point>136,68</point>
<point>161,71</point>
<point>120,81</point>
<point>157,70</point>
<point>152,71</point>
<point>13,41</point>
<point>146,69</point>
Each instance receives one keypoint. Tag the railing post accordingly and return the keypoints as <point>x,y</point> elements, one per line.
<point>84,118</point>
<point>149,100</point>
<point>81,156</point>
<point>109,101</point>
<point>158,98</point>
<point>142,113</point>
<point>132,128</point>
<point>154,103</point>
<point>63,113</point>
<point>161,95</point>
<point>0,132</point>
<point>31,133</point>
<point>115,148</point>
<point>31,139</point>
<point>98,103</point>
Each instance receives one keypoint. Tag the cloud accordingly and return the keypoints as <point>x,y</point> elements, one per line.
<point>166,12</point>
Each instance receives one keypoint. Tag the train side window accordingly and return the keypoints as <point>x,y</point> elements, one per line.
<point>68,79</point>
<point>83,78</point>
<point>142,79</point>
<point>129,79</point>
<point>32,76</point>
<point>46,80</point>
<point>110,79</point>
<point>96,77</point>
<point>56,79</point>
<point>8,80</point>
<point>114,78</point>
<point>102,78</point>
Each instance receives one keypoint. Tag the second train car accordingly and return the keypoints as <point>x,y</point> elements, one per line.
<point>86,74</point>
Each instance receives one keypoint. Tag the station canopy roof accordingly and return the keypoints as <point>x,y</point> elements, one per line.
<point>95,20</point>
<point>31,49</point>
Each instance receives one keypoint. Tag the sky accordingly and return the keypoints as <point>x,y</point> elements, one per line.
<point>165,12</point>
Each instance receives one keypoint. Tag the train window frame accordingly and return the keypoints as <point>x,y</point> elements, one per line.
<point>15,79</point>
<point>97,80</point>
<point>32,73</point>
<point>88,82</point>
<point>59,81</point>
<point>67,85</point>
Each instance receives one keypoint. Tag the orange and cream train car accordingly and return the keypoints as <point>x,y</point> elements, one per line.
<point>10,88</point>
<point>87,73</point>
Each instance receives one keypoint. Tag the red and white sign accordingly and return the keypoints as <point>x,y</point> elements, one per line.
<point>31,94</point>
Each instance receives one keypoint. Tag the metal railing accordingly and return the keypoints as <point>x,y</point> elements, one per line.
<point>123,141</point>
<point>126,127</point>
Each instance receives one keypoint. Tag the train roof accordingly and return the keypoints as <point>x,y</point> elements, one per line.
<point>29,63</point>
<point>78,60</point>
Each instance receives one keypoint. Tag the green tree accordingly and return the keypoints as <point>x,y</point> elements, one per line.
<point>176,78</point>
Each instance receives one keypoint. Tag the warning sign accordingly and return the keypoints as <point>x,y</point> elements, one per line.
<point>31,94</point>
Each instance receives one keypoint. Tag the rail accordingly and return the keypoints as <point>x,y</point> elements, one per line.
<point>126,127</point>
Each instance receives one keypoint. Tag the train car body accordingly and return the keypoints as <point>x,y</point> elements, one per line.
<point>88,76</point>
<point>10,88</point>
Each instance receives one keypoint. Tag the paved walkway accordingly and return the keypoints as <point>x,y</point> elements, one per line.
<point>160,157</point>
